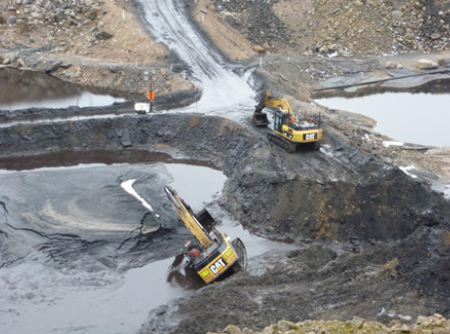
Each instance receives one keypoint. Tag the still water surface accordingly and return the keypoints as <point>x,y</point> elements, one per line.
<point>411,118</point>
<point>28,89</point>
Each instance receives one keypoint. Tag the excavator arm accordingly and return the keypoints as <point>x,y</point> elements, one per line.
<point>188,218</point>
<point>260,118</point>
<point>269,101</point>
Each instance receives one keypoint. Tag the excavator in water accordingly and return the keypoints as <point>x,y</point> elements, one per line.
<point>211,253</point>
<point>289,130</point>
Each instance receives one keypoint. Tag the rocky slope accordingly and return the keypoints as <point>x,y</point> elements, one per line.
<point>435,324</point>
<point>87,42</point>
<point>345,28</point>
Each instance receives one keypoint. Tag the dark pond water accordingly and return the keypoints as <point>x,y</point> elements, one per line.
<point>101,204</point>
<point>28,89</point>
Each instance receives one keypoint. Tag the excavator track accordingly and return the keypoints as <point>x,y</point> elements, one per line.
<point>239,247</point>
<point>282,142</point>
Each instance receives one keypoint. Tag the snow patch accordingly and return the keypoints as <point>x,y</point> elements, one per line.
<point>447,191</point>
<point>407,169</point>
<point>392,143</point>
<point>128,187</point>
<point>333,54</point>
<point>405,317</point>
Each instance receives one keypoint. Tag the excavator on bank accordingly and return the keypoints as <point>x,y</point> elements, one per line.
<point>289,130</point>
<point>210,254</point>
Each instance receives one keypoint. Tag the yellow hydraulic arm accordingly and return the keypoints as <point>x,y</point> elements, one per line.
<point>269,101</point>
<point>188,218</point>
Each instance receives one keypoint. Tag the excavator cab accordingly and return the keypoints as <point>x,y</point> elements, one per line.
<point>289,130</point>
<point>211,253</point>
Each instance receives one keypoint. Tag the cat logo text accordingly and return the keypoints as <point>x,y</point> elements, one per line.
<point>218,266</point>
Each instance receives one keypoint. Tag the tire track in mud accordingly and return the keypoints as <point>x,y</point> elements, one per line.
<point>169,23</point>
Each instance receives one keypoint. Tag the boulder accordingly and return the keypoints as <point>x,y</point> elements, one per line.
<point>427,64</point>
<point>232,329</point>
<point>397,15</point>
<point>444,62</point>
<point>20,63</point>
<point>53,67</point>
<point>59,16</point>
<point>103,35</point>
<point>435,36</point>
<point>230,20</point>
<point>259,49</point>
<point>358,322</point>
<point>390,65</point>
<point>11,20</point>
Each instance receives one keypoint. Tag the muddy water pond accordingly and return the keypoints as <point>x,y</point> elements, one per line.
<point>410,118</point>
<point>28,89</point>
<point>68,260</point>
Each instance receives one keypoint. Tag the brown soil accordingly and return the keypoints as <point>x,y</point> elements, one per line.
<point>228,40</point>
<point>130,42</point>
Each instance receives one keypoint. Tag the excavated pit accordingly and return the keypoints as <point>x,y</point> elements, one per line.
<point>360,225</point>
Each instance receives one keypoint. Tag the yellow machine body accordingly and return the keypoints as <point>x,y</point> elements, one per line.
<point>213,253</point>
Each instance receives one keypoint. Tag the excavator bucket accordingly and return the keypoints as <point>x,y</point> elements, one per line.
<point>206,220</point>
<point>260,119</point>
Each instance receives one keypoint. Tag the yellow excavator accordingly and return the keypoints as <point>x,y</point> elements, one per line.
<point>289,130</point>
<point>211,253</point>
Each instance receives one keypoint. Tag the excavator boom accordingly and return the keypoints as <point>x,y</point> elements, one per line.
<point>260,118</point>
<point>270,101</point>
<point>188,218</point>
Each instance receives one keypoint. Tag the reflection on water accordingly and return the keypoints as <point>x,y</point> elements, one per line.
<point>411,118</point>
<point>27,89</point>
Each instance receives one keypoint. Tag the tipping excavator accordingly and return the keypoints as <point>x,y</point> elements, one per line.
<point>289,130</point>
<point>211,253</point>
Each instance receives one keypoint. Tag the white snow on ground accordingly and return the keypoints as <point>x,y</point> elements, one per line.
<point>392,143</point>
<point>405,317</point>
<point>447,191</point>
<point>128,186</point>
<point>407,169</point>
